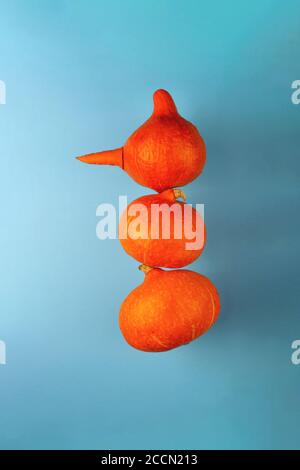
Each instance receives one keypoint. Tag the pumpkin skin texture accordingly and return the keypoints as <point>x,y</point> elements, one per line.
<point>165,152</point>
<point>162,247</point>
<point>169,309</point>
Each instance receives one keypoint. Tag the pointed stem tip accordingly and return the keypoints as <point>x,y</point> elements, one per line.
<point>163,103</point>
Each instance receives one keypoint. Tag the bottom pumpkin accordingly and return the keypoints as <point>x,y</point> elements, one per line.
<point>169,309</point>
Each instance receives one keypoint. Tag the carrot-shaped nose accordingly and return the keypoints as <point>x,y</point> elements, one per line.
<point>107,157</point>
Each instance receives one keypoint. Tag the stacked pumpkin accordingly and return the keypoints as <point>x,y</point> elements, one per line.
<point>171,307</point>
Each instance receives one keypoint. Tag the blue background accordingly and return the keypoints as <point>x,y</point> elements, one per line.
<point>79,77</point>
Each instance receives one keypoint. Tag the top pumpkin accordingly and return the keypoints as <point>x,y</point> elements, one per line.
<point>166,151</point>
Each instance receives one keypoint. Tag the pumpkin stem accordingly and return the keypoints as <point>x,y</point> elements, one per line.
<point>145,269</point>
<point>107,157</point>
<point>163,103</point>
<point>179,194</point>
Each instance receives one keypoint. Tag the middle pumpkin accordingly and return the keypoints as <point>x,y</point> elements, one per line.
<point>158,230</point>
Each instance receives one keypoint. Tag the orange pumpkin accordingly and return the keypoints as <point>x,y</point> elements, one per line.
<point>169,309</point>
<point>158,230</point>
<point>166,151</point>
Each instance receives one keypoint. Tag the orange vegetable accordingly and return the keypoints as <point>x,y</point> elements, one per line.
<point>169,309</point>
<point>166,151</point>
<point>157,230</point>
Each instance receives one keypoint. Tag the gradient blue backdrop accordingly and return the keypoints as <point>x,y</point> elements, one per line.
<point>79,77</point>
